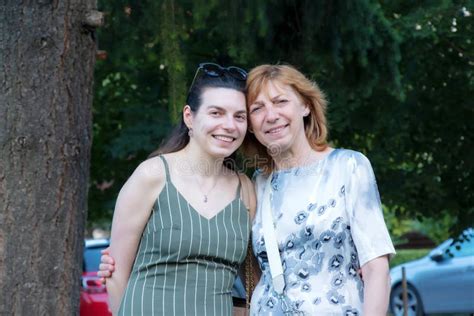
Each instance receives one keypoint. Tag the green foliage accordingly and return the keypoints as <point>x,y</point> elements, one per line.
<point>398,74</point>
<point>427,138</point>
<point>438,229</point>
<point>405,255</point>
<point>397,226</point>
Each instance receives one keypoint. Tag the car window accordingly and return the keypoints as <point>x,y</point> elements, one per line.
<point>92,259</point>
<point>462,246</point>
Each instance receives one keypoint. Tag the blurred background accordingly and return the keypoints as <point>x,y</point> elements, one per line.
<point>399,76</point>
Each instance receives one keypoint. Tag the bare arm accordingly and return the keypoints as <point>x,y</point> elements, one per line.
<point>376,286</point>
<point>132,210</point>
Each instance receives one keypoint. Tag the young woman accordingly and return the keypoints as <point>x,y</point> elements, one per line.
<point>324,205</point>
<point>181,222</point>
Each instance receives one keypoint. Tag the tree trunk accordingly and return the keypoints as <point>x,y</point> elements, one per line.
<point>46,58</point>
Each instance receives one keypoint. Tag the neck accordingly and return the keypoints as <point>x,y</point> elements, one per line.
<point>298,155</point>
<point>193,161</point>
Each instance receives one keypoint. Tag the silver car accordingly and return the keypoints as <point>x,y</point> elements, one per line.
<point>441,282</point>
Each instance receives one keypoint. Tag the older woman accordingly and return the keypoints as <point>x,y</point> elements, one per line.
<point>323,202</point>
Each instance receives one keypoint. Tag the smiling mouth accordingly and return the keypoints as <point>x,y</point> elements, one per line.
<point>276,130</point>
<point>223,138</point>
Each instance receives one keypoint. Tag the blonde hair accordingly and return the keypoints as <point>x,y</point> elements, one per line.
<point>309,93</point>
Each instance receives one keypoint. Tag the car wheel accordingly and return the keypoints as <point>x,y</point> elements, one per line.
<point>414,304</point>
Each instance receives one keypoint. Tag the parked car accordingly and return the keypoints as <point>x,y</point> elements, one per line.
<point>93,293</point>
<point>441,282</point>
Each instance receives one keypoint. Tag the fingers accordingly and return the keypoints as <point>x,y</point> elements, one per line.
<point>106,266</point>
<point>105,251</point>
<point>104,274</point>
<point>105,270</point>
<point>106,258</point>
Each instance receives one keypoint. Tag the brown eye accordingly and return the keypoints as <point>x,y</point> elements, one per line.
<point>241,117</point>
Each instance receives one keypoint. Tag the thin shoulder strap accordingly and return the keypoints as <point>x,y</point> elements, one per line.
<point>237,193</point>
<point>167,170</point>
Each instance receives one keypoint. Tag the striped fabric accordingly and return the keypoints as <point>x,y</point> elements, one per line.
<point>186,264</point>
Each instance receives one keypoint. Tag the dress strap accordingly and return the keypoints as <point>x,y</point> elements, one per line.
<point>237,193</point>
<point>167,170</point>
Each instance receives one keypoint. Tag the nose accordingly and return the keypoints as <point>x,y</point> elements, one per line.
<point>229,123</point>
<point>271,115</point>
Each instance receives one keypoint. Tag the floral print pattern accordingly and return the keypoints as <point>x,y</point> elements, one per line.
<point>325,233</point>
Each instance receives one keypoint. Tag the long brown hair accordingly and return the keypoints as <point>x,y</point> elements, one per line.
<point>315,124</point>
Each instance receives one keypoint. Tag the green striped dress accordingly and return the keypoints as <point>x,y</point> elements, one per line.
<point>186,264</point>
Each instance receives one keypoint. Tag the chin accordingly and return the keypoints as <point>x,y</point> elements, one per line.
<point>222,153</point>
<point>277,147</point>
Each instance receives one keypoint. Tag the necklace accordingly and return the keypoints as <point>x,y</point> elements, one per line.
<point>205,199</point>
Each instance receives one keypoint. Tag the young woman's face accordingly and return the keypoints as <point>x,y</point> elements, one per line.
<point>276,117</point>
<point>220,124</point>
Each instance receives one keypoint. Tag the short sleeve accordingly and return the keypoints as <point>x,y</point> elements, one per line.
<point>368,229</point>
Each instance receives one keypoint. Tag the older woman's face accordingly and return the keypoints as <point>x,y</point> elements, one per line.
<point>276,117</point>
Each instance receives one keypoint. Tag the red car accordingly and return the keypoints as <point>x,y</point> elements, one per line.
<point>94,297</point>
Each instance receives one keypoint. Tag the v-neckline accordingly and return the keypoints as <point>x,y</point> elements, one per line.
<point>197,211</point>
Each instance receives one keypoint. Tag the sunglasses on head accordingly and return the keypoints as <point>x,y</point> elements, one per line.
<point>215,70</point>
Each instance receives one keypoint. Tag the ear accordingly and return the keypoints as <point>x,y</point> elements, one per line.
<point>188,116</point>
<point>306,111</point>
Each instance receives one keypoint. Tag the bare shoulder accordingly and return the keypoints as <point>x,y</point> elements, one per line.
<point>150,173</point>
<point>138,194</point>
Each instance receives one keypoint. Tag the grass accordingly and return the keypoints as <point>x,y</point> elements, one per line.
<point>404,255</point>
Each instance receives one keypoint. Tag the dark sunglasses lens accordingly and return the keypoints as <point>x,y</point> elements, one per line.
<point>212,70</point>
<point>237,73</point>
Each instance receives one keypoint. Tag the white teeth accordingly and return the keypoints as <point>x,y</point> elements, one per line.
<point>224,138</point>
<point>276,130</point>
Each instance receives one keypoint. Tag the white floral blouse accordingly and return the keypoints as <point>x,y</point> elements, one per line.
<point>329,222</point>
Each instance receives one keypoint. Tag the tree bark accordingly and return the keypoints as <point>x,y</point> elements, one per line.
<point>47,57</point>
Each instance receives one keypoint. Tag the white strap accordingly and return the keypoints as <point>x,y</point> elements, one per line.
<point>271,243</point>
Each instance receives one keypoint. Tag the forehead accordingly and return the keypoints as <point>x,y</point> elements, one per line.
<point>226,98</point>
<point>273,88</point>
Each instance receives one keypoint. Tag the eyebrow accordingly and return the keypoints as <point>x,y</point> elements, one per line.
<point>277,97</point>
<point>223,109</point>
<point>257,103</point>
<point>272,99</point>
<point>209,107</point>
